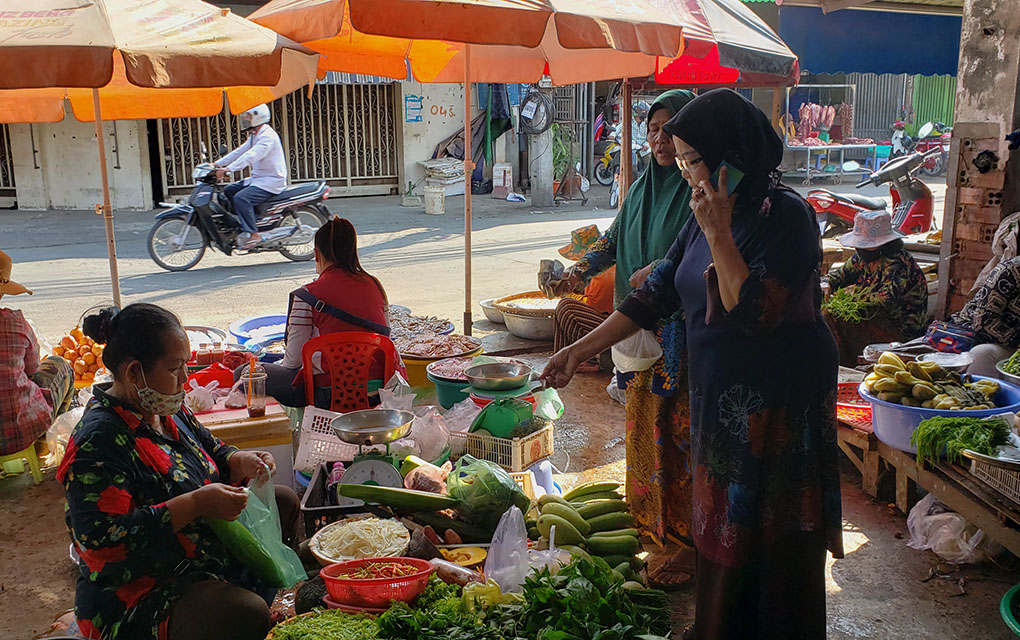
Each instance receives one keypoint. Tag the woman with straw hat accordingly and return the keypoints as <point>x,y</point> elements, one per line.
<point>32,391</point>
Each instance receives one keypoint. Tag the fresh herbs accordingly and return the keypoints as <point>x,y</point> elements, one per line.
<point>851,305</point>
<point>328,625</point>
<point>956,434</point>
<point>439,613</point>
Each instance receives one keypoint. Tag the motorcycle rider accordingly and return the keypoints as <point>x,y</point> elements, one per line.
<point>639,135</point>
<point>263,152</point>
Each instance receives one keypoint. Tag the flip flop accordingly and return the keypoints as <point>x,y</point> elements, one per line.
<point>672,570</point>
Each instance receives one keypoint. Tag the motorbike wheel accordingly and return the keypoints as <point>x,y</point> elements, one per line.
<point>165,246</point>
<point>604,174</point>
<point>309,217</point>
<point>614,195</point>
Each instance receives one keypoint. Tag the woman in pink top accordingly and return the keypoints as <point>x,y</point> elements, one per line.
<point>32,392</point>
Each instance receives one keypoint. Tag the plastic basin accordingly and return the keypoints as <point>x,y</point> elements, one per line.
<point>242,329</point>
<point>417,376</point>
<point>377,592</point>
<point>894,424</point>
<point>258,345</point>
<point>1006,610</point>
<point>448,393</point>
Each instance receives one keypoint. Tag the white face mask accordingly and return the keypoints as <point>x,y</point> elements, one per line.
<point>156,403</point>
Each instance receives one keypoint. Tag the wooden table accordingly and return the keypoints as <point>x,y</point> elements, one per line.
<point>979,504</point>
<point>271,432</point>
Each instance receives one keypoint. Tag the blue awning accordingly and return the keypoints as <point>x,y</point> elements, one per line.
<point>852,41</point>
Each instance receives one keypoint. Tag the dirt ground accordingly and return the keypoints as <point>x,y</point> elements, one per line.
<point>878,591</point>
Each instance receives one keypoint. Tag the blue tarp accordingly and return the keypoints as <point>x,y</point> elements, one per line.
<point>852,41</point>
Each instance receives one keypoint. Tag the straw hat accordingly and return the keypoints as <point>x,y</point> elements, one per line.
<point>872,229</point>
<point>7,286</point>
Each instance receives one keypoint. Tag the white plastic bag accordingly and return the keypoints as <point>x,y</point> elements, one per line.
<point>397,394</point>
<point>431,434</point>
<point>637,353</point>
<point>614,390</point>
<point>462,415</point>
<point>60,431</point>
<point>201,399</point>
<point>507,562</point>
<point>934,526</point>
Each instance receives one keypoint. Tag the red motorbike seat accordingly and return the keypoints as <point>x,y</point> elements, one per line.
<point>873,204</point>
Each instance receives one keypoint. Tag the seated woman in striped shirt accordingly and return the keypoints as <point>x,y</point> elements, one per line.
<point>344,297</point>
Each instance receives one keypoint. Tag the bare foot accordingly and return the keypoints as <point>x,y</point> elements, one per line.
<point>672,567</point>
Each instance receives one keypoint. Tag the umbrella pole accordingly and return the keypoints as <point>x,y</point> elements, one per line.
<point>468,170</point>
<point>626,164</point>
<point>111,247</point>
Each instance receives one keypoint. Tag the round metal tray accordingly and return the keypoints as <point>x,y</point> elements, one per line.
<point>1008,377</point>
<point>372,426</point>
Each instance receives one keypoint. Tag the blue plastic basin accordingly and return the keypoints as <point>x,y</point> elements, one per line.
<point>242,329</point>
<point>258,345</point>
<point>894,424</point>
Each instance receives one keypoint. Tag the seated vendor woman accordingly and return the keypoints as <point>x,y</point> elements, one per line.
<point>344,297</point>
<point>141,476</point>
<point>574,318</point>
<point>880,294</point>
<point>33,392</point>
<point>993,314</point>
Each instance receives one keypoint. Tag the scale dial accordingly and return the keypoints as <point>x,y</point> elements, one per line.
<point>371,472</point>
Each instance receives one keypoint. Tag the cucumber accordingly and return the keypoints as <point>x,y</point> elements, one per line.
<point>637,564</point>
<point>533,533</point>
<point>590,488</point>
<point>630,585</point>
<point>618,532</point>
<point>610,522</point>
<point>568,514</point>
<point>467,532</point>
<point>626,545</point>
<point>605,495</point>
<point>619,577</point>
<point>624,569</point>
<point>565,532</point>
<point>600,507</point>
<point>551,497</point>
<point>405,499</point>
<point>530,522</point>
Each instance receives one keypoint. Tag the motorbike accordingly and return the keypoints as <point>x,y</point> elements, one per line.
<point>287,223</point>
<point>912,200</point>
<point>607,169</point>
<point>930,136</point>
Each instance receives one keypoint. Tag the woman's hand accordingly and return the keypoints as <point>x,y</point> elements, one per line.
<point>566,285</point>
<point>561,368</point>
<point>637,279</point>
<point>218,500</point>
<point>712,207</point>
<point>249,464</point>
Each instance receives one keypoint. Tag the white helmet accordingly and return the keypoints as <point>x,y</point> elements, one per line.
<point>254,117</point>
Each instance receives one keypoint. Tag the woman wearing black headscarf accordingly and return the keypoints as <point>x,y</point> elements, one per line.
<point>762,377</point>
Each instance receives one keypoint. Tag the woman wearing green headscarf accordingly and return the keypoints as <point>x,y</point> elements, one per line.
<point>658,417</point>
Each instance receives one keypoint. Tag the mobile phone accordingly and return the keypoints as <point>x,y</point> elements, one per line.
<point>733,177</point>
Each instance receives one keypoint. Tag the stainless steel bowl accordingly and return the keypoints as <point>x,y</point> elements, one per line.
<point>1008,377</point>
<point>372,426</point>
<point>492,314</point>
<point>530,327</point>
<point>498,376</point>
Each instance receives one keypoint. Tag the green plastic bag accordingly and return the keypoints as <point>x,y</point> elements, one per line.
<point>485,491</point>
<point>256,539</point>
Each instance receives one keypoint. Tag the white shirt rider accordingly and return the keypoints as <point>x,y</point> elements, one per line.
<point>263,152</point>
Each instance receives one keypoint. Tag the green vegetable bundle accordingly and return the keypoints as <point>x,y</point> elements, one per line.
<point>954,434</point>
<point>328,625</point>
<point>851,305</point>
<point>1013,364</point>
<point>485,491</point>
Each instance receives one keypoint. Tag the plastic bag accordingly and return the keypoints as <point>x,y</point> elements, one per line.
<point>431,434</point>
<point>60,431</point>
<point>548,404</point>
<point>461,416</point>
<point>485,490</point>
<point>397,394</point>
<point>550,272</point>
<point>934,526</point>
<point>507,562</point>
<point>428,477</point>
<point>256,538</point>
<point>637,353</point>
<point>201,399</point>
<point>614,390</point>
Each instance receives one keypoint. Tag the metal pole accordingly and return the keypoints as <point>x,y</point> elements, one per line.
<point>626,118</point>
<point>468,170</point>
<point>107,209</point>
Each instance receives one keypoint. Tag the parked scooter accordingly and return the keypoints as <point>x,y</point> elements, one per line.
<point>930,136</point>
<point>609,164</point>
<point>912,200</point>
<point>287,222</point>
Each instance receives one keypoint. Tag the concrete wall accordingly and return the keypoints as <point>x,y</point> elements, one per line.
<point>442,116</point>
<point>68,175</point>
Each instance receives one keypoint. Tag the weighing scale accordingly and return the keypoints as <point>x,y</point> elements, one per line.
<point>368,428</point>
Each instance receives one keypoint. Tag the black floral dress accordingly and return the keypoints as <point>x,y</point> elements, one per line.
<point>118,474</point>
<point>762,385</point>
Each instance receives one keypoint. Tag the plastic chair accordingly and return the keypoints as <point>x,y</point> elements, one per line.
<point>33,461</point>
<point>883,153</point>
<point>347,358</point>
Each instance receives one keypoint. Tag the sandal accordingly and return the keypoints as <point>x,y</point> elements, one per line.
<point>673,568</point>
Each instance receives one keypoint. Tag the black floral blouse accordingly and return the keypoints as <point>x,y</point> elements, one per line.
<point>994,311</point>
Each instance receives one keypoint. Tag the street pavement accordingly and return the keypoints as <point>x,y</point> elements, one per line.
<point>419,258</point>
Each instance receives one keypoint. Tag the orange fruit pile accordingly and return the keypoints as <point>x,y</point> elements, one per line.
<point>82,352</point>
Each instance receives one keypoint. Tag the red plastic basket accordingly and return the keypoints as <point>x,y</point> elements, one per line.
<point>376,592</point>
<point>851,408</point>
